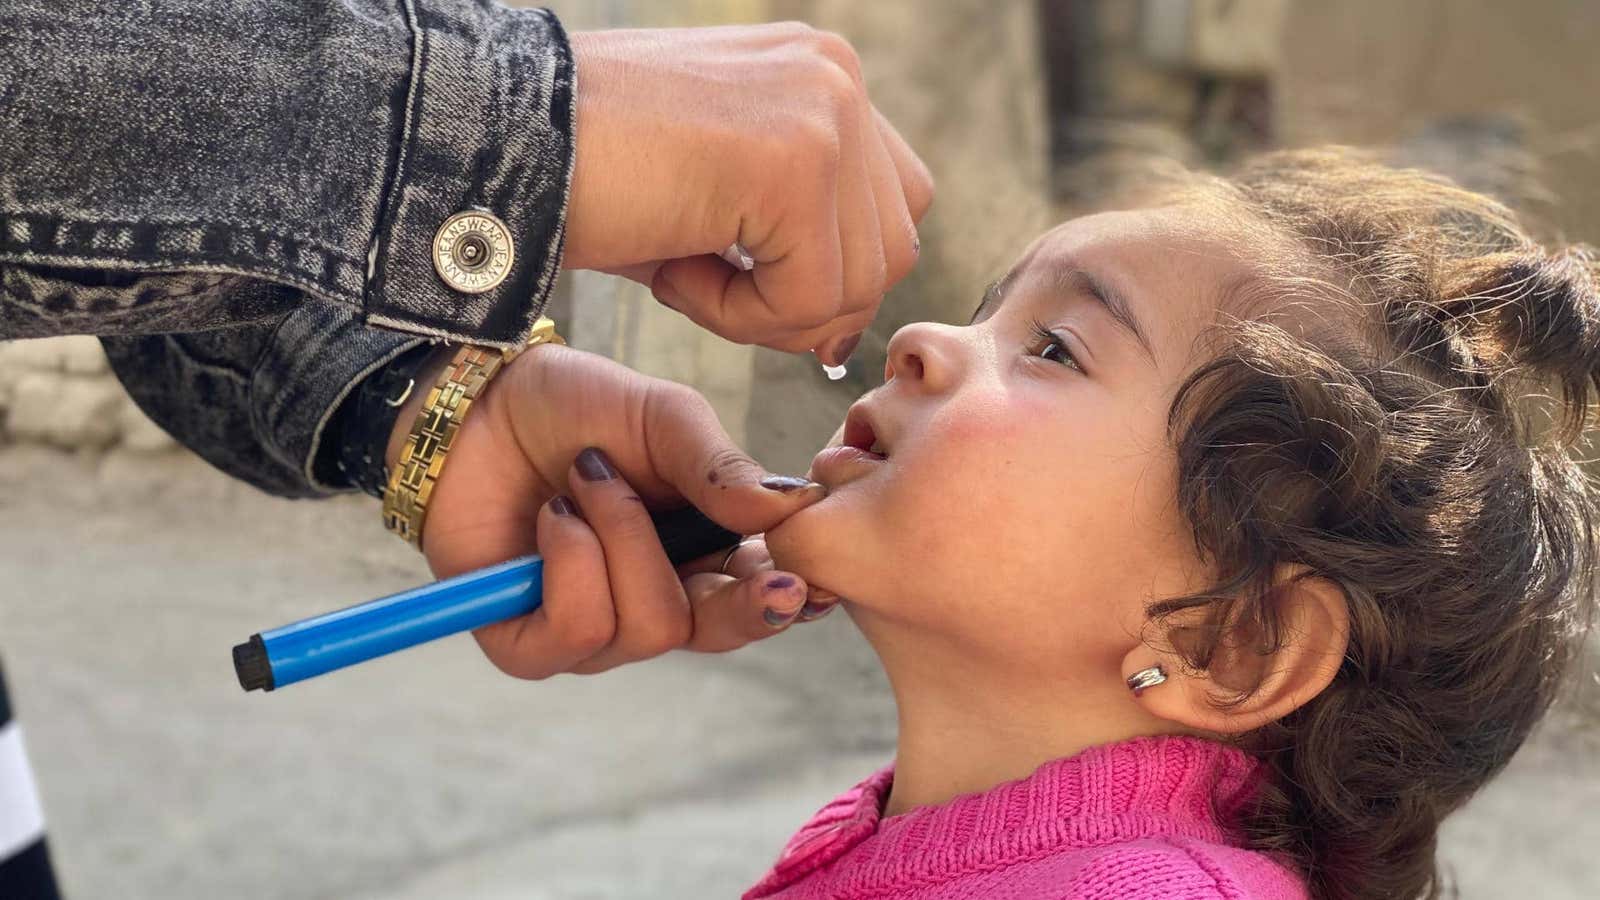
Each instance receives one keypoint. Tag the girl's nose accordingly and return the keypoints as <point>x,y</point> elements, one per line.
<point>926,355</point>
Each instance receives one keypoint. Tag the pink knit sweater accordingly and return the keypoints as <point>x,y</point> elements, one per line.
<point>1144,819</point>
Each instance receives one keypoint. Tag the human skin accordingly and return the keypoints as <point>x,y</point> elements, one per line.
<point>690,140</point>
<point>1001,554</point>
<point>610,595</point>
<point>687,141</point>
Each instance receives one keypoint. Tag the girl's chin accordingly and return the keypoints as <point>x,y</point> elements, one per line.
<point>817,540</point>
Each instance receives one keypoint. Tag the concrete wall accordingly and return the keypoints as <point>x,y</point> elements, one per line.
<point>60,391</point>
<point>1375,72</point>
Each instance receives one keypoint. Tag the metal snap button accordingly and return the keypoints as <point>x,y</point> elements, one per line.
<point>472,251</point>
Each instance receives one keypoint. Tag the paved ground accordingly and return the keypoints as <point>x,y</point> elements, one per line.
<point>427,770</point>
<point>428,775</point>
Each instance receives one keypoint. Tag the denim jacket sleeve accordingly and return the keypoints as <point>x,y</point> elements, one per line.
<point>242,196</point>
<point>256,401</point>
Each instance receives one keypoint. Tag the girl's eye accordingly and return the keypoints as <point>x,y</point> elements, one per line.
<point>1048,345</point>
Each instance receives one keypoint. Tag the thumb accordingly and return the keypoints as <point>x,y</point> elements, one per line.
<point>690,450</point>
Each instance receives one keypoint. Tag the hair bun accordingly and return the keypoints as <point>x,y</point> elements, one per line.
<point>1534,311</point>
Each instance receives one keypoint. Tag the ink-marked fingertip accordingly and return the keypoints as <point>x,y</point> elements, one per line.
<point>813,611</point>
<point>778,619</point>
<point>781,591</point>
<point>779,582</point>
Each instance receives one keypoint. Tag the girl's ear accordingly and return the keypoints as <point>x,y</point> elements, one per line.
<point>1247,684</point>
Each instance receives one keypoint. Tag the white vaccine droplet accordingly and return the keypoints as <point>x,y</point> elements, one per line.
<point>834,373</point>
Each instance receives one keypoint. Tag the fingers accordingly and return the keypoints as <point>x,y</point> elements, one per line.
<point>861,236</point>
<point>747,557</point>
<point>610,597</point>
<point>691,452</point>
<point>652,612</point>
<point>878,189</point>
<point>738,598</point>
<point>827,340</point>
<point>878,251</point>
<point>576,620</point>
<point>830,340</point>
<point>916,182</point>
<point>731,612</point>
<point>787,156</point>
<point>835,342</point>
<point>898,230</point>
<point>903,189</point>
<point>798,279</point>
<point>877,242</point>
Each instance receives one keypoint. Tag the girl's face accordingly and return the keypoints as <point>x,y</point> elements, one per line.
<point>1011,487</point>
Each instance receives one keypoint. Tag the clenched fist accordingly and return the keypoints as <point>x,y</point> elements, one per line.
<point>692,140</point>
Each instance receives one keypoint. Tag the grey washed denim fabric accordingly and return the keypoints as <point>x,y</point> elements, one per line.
<point>249,400</point>
<point>230,192</point>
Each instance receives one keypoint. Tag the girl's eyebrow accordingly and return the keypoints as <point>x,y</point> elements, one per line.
<point>1110,299</point>
<point>1070,278</point>
<point>991,295</point>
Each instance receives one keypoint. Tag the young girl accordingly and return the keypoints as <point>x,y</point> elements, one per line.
<point>1216,557</point>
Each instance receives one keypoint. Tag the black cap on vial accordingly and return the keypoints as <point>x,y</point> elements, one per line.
<point>250,663</point>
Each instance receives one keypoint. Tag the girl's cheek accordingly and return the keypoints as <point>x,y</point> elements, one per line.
<point>981,420</point>
<point>964,458</point>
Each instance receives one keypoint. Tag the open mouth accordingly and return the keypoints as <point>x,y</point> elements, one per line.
<point>859,433</point>
<point>862,452</point>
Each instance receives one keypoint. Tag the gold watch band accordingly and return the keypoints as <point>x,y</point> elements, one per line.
<point>405,501</point>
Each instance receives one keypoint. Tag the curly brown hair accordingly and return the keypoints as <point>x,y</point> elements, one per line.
<point>1393,451</point>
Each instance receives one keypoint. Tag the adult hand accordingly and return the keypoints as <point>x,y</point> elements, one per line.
<point>523,477</point>
<point>691,140</point>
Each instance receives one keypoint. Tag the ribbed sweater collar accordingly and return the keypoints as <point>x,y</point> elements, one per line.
<point>1147,787</point>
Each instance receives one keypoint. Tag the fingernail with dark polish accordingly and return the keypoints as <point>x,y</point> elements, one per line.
<point>562,506</point>
<point>813,611</point>
<point>786,484</point>
<point>593,466</point>
<point>841,354</point>
<point>774,586</point>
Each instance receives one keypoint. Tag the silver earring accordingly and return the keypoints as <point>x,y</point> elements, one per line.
<point>1144,679</point>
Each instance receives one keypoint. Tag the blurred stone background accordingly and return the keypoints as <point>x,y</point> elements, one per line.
<point>127,567</point>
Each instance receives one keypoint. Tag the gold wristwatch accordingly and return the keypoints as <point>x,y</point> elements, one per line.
<point>405,500</point>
